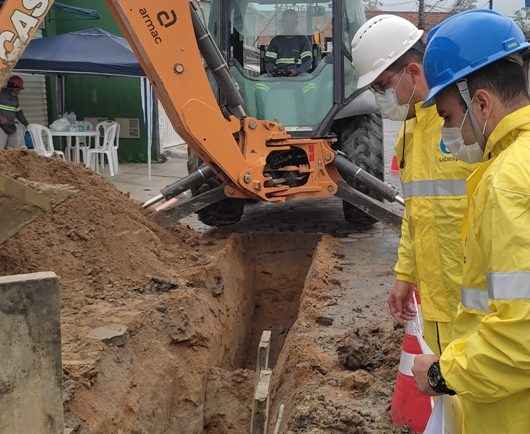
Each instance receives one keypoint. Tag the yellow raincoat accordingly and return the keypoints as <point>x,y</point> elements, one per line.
<point>431,249</point>
<point>489,367</point>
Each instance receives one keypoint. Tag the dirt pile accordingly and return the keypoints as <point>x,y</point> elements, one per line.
<point>98,241</point>
<point>133,314</point>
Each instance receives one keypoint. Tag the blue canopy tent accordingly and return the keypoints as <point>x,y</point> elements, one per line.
<point>90,52</point>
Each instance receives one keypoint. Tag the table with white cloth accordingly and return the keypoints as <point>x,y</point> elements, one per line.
<point>76,135</point>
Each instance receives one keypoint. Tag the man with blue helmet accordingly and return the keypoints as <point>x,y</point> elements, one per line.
<point>475,72</point>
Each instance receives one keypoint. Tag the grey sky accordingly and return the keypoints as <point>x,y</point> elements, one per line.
<point>505,6</point>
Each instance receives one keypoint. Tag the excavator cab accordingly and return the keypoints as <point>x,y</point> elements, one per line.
<point>301,31</point>
<point>298,71</point>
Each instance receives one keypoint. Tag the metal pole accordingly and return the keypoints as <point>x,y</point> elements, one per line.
<point>491,4</point>
<point>421,14</point>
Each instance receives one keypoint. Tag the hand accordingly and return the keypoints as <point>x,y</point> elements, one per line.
<point>420,368</point>
<point>400,301</point>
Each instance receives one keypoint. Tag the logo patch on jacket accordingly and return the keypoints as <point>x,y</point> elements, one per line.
<point>446,154</point>
<point>443,148</point>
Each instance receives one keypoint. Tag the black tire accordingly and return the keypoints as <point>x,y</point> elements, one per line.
<point>223,213</point>
<point>361,139</point>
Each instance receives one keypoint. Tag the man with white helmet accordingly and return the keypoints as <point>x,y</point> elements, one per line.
<point>475,71</point>
<point>387,52</point>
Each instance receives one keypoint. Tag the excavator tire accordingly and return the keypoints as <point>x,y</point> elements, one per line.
<point>361,139</point>
<point>224,213</point>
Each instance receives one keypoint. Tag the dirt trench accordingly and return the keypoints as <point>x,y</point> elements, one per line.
<point>274,269</point>
<point>188,365</point>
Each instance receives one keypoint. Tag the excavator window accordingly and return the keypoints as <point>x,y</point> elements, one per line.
<point>293,34</point>
<point>282,53</point>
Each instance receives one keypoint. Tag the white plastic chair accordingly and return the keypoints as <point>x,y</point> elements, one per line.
<point>101,128</point>
<point>104,148</point>
<point>43,141</point>
<point>115,148</point>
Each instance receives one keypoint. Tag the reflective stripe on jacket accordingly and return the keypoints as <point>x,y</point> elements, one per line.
<point>289,51</point>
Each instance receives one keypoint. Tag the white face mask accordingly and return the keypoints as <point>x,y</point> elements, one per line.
<point>454,140</point>
<point>389,105</point>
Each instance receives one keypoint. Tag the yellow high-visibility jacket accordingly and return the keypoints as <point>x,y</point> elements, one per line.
<point>434,186</point>
<point>489,366</point>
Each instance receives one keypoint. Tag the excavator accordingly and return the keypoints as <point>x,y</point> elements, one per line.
<point>252,136</point>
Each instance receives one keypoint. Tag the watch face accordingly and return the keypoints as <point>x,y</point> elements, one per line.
<point>434,376</point>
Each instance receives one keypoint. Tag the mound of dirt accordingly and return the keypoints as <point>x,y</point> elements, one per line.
<point>132,293</point>
<point>98,241</point>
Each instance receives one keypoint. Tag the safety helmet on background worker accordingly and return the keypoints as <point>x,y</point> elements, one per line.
<point>15,82</point>
<point>465,43</point>
<point>379,43</point>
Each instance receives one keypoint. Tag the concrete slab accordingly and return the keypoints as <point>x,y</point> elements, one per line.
<point>30,344</point>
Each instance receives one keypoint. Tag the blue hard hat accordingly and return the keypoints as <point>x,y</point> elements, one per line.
<point>465,43</point>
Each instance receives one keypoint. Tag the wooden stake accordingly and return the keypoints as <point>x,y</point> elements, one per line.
<point>279,420</point>
<point>264,349</point>
<point>260,408</point>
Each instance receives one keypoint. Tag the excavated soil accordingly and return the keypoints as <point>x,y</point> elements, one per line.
<point>160,327</point>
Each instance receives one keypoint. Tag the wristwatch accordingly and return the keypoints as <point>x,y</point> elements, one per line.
<point>436,381</point>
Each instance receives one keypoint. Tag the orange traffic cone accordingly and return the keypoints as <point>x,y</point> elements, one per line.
<point>410,407</point>
<point>394,167</point>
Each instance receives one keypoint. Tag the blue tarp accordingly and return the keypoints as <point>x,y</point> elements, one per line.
<point>89,51</point>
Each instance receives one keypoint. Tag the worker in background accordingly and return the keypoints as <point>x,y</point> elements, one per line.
<point>289,54</point>
<point>388,52</point>
<point>474,69</point>
<point>10,111</point>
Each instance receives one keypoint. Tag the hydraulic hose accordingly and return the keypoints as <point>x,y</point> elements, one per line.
<point>194,179</point>
<point>216,62</point>
<point>350,171</point>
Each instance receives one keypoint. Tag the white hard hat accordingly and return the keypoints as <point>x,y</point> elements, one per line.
<point>379,42</point>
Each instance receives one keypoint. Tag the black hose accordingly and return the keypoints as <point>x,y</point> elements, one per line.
<point>181,185</point>
<point>350,172</point>
<point>194,179</point>
<point>216,62</point>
